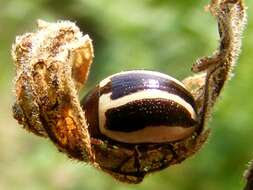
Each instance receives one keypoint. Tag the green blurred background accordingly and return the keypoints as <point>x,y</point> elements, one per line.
<point>161,35</point>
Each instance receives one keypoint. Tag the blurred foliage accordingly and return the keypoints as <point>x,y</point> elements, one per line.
<point>159,35</point>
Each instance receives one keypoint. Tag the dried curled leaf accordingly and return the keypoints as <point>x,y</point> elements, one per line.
<point>51,66</point>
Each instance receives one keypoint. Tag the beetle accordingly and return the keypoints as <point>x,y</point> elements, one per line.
<point>132,123</point>
<point>141,107</point>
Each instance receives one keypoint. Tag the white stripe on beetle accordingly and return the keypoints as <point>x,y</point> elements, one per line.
<point>106,103</point>
<point>157,134</point>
